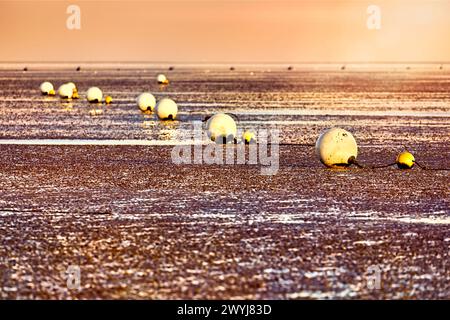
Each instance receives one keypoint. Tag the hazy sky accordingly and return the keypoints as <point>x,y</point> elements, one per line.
<point>225,31</point>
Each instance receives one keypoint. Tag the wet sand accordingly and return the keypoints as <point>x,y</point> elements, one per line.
<point>139,226</point>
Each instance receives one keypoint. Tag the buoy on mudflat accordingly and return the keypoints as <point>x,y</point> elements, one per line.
<point>405,160</point>
<point>221,128</point>
<point>336,147</point>
<point>146,102</point>
<point>108,99</point>
<point>94,94</point>
<point>162,79</point>
<point>65,91</point>
<point>249,137</point>
<point>166,109</point>
<point>73,86</point>
<point>47,89</point>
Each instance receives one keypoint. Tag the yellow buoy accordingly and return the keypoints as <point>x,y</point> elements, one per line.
<point>146,102</point>
<point>94,94</point>
<point>166,109</point>
<point>47,88</point>
<point>162,79</point>
<point>221,128</point>
<point>108,99</point>
<point>405,160</point>
<point>336,147</point>
<point>248,137</point>
<point>65,91</point>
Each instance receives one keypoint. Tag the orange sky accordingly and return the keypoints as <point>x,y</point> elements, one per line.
<point>225,31</point>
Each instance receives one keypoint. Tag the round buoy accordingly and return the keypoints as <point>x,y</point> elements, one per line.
<point>47,89</point>
<point>248,137</point>
<point>166,109</point>
<point>108,99</point>
<point>65,91</point>
<point>146,102</point>
<point>336,147</point>
<point>221,128</point>
<point>162,79</point>
<point>94,94</point>
<point>405,160</point>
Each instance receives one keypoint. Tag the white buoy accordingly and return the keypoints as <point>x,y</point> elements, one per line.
<point>94,94</point>
<point>336,147</point>
<point>166,109</point>
<point>162,79</point>
<point>221,128</point>
<point>65,91</point>
<point>146,102</point>
<point>47,88</point>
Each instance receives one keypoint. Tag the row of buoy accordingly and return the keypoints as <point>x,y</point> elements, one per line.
<point>335,147</point>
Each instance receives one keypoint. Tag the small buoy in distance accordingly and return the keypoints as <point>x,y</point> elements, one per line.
<point>94,94</point>
<point>405,160</point>
<point>47,88</point>
<point>78,68</point>
<point>232,68</point>
<point>290,68</point>
<point>249,137</point>
<point>171,68</point>
<point>65,91</point>
<point>162,79</point>
<point>336,147</point>
<point>108,99</point>
<point>343,67</point>
<point>146,102</point>
<point>25,69</point>
<point>221,128</point>
<point>166,109</point>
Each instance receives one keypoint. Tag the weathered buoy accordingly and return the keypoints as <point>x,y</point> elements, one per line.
<point>166,109</point>
<point>146,102</point>
<point>162,79</point>
<point>94,94</point>
<point>65,91</point>
<point>248,137</point>
<point>221,128</point>
<point>47,89</point>
<point>108,99</point>
<point>405,160</point>
<point>336,147</point>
